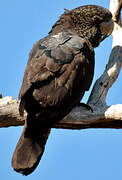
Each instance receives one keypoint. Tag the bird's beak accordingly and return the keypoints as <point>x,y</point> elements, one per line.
<point>106,29</point>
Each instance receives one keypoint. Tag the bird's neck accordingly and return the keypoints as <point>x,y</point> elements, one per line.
<point>67,22</point>
<point>63,24</point>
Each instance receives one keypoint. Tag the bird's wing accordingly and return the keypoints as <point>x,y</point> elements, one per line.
<point>58,60</point>
<point>37,68</point>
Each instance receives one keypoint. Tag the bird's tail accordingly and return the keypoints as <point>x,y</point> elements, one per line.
<point>29,149</point>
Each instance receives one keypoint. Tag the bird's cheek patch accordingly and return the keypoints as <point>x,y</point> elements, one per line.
<point>106,28</point>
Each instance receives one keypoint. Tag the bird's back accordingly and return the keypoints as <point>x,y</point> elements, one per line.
<point>60,69</point>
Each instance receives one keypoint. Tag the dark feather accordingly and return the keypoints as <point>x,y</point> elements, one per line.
<point>59,71</point>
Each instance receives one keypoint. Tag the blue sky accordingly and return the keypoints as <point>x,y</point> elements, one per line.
<point>70,154</point>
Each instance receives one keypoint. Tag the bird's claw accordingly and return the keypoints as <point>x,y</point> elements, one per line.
<point>86,106</point>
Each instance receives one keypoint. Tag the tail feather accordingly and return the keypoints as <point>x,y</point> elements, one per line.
<point>29,150</point>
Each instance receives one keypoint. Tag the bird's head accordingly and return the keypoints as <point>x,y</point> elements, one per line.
<point>92,22</point>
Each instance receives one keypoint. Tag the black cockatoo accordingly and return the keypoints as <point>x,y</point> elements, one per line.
<point>59,71</point>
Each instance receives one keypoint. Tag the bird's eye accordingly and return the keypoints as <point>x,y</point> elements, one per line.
<point>107,18</point>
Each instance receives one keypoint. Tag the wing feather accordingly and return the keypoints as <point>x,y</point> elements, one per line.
<point>60,68</point>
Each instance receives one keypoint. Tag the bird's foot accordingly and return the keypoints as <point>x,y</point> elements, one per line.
<point>86,106</point>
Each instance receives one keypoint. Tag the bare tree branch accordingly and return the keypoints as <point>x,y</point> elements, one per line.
<point>80,118</point>
<point>115,8</point>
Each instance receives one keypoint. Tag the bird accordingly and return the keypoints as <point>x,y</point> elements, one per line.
<point>59,70</point>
